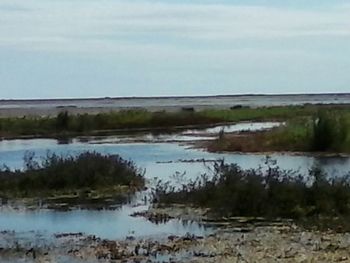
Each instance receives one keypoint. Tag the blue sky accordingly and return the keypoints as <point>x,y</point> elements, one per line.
<point>98,48</point>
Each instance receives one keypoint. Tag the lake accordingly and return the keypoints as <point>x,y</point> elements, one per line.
<point>160,160</point>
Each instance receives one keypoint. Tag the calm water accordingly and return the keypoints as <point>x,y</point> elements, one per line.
<point>238,127</point>
<point>156,157</point>
<point>112,224</point>
<point>189,134</point>
<point>160,160</point>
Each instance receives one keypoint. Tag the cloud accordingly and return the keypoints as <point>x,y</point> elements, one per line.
<point>63,48</point>
<point>10,7</point>
<point>113,26</point>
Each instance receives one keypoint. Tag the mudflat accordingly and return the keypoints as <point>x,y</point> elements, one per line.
<point>51,107</point>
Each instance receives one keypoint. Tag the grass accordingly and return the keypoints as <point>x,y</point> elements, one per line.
<point>89,171</point>
<point>273,194</point>
<point>278,113</point>
<point>65,124</point>
<point>326,131</point>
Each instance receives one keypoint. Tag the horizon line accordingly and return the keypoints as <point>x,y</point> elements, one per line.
<point>175,96</point>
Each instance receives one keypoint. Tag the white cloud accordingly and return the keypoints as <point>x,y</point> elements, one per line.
<point>95,47</point>
<point>115,26</point>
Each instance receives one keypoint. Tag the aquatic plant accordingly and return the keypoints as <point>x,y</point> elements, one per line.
<point>274,193</point>
<point>321,132</point>
<point>329,131</point>
<point>62,121</point>
<point>88,170</point>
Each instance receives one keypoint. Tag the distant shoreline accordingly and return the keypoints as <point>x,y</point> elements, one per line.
<point>176,97</point>
<point>51,107</point>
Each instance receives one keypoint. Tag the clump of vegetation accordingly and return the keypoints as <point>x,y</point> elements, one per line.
<point>329,132</point>
<point>322,132</point>
<point>87,171</point>
<point>272,194</point>
<point>62,121</point>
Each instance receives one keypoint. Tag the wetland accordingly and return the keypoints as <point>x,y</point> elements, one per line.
<point>119,224</point>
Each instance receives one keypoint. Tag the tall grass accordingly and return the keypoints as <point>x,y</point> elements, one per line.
<point>329,132</point>
<point>65,123</point>
<point>324,132</point>
<point>233,191</point>
<point>89,170</point>
<point>266,113</point>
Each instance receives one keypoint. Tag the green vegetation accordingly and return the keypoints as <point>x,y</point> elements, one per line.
<point>272,194</point>
<point>321,128</point>
<point>331,132</point>
<point>266,113</point>
<point>89,171</point>
<point>65,124</point>
<point>324,131</point>
<point>70,125</point>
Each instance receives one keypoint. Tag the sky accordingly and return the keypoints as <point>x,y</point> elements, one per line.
<point>117,48</point>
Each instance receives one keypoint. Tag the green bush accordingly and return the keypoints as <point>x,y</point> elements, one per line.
<point>329,132</point>
<point>275,193</point>
<point>62,121</point>
<point>88,170</point>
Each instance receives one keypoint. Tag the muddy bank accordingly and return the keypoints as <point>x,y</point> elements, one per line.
<point>284,243</point>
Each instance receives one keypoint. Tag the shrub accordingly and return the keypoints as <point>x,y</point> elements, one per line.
<point>329,131</point>
<point>88,170</point>
<point>275,193</point>
<point>62,121</point>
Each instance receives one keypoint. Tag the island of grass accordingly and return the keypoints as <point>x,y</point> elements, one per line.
<point>326,131</point>
<point>315,200</point>
<point>85,179</point>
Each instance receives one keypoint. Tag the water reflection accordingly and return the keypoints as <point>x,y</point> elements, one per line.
<point>64,140</point>
<point>105,223</point>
